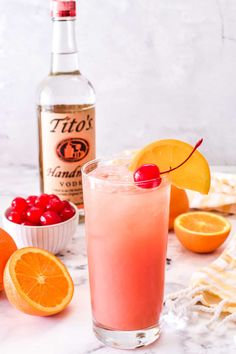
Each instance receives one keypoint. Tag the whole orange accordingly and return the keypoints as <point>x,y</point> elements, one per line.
<point>7,247</point>
<point>179,204</point>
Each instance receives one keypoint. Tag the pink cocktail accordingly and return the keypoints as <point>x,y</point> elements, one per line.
<point>126,230</point>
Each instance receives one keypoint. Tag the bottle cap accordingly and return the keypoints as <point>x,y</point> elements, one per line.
<point>63,8</point>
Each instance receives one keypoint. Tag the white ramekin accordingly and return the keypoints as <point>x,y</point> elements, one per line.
<point>53,238</point>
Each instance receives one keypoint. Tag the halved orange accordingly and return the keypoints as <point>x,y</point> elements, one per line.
<point>166,154</point>
<point>200,231</point>
<point>37,283</point>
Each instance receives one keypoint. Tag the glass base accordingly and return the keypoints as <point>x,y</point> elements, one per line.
<point>127,339</point>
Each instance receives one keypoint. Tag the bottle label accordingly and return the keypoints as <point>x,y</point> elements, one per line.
<point>67,143</point>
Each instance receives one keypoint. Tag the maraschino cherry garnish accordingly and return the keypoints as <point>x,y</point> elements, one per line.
<point>149,175</point>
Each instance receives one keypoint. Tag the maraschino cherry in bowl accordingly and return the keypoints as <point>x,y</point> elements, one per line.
<point>43,221</point>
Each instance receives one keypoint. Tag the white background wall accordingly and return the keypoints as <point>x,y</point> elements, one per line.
<point>161,68</point>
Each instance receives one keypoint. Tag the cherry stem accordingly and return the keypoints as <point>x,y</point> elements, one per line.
<point>182,163</point>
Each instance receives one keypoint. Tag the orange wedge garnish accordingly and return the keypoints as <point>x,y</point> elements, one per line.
<point>37,283</point>
<point>200,231</point>
<point>194,174</point>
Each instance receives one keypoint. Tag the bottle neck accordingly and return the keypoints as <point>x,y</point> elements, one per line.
<point>64,58</point>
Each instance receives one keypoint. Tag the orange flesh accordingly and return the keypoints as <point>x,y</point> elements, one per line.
<point>202,223</point>
<point>41,279</point>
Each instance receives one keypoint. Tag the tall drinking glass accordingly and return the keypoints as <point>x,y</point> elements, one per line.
<point>126,231</point>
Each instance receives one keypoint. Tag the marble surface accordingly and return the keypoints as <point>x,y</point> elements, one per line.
<point>161,68</point>
<point>71,332</point>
